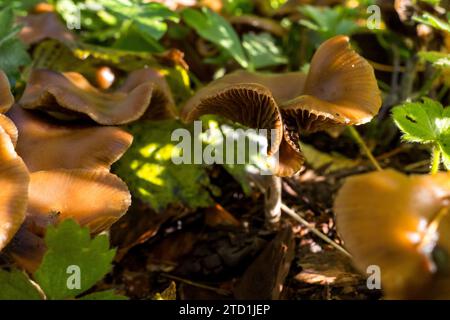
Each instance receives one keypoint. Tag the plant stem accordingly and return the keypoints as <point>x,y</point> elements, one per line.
<point>435,160</point>
<point>355,134</point>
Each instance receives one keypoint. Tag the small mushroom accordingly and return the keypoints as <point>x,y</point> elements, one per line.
<point>249,104</point>
<point>95,199</point>
<point>41,26</point>
<point>6,97</point>
<point>398,223</point>
<point>339,89</point>
<point>104,77</point>
<point>14,179</point>
<point>71,94</point>
<point>45,144</point>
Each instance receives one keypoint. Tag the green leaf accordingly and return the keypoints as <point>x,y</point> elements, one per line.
<point>433,21</point>
<point>438,59</point>
<point>329,22</point>
<point>12,52</point>
<point>103,295</point>
<point>262,50</point>
<point>15,285</point>
<point>418,121</point>
<point>425,122</point>
<point>71,249</point>
<point>151,175</point>
<point>215,28</point>
<point>149,18</point>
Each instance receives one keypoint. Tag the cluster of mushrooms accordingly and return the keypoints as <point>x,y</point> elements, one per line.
<point>57,145</point>
<point>58,141</point>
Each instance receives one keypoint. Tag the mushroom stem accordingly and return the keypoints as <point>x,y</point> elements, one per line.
<point>272,197</point>
<point>311,228</point>
<point>435,160</point>
<point>270,185</point>
<point>359,140</point>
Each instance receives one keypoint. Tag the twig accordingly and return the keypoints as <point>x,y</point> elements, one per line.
<point>311,228</point>
<point>198,285</point>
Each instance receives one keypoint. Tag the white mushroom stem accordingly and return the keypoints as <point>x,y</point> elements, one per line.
<point>270,185</point>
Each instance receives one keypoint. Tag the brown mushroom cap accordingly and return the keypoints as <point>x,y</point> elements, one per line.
<point>162,104</point>
<point>10,128</point>
<point>27,249</point>
<point>41,26</point>
<point>340,89</point>
<point>14,179</point>
<point>383,218</point>
<point>95,199</point>
<point>70,93</point>
<point>6,97</point>
<point>239,98</point>
<point>45,144</point>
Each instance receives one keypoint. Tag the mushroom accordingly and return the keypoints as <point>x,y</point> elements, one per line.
<point>41,26</point>
<point>6,97</point>
<point>71,94</point>
<point>10,129</point>
<point>340,89</point>
<point>46,144</point>
<point>93,198</point>
<point>398,223</point>
<point>14,179</point>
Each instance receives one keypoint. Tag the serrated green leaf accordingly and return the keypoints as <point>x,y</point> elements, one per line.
<point>215,28</point>
<point>149,172</point>
<point>103,295</point>
<point>15,285</point>
<point>71,249</point>
<point>262,50</point>
<point>419,121</point>
<point>425,122</point>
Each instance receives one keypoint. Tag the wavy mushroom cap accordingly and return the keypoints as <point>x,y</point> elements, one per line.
<point>6,97</point>
<point>46,144</point>
<point>162,104</point>
<point>252,99</point>
<point>14,179</point>
<point>387,219</point>
<point>340,89</point>
<point>10,129</point>
<point>71,94</point>
<point>95,199</point>
<point>41,26</point>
